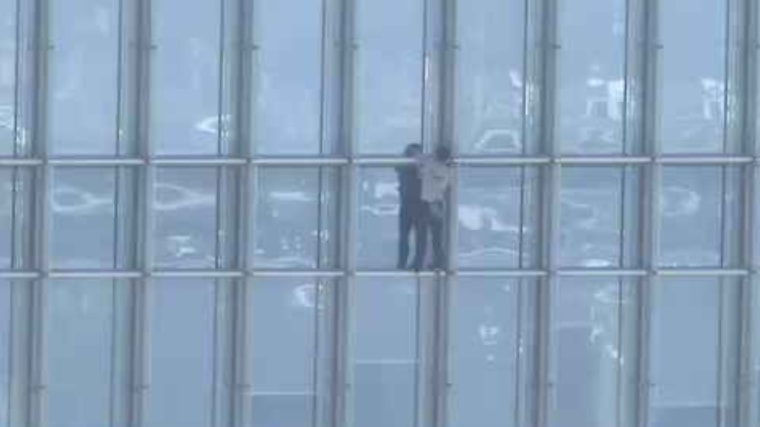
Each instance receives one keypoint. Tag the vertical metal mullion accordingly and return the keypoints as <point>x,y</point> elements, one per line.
<point>343,380</point>
<point>41,46</point>
<point>650,191</point>
<point>140,126</point>
<point>550,184</point>
<point>242,119</point>
<point>747,93</point>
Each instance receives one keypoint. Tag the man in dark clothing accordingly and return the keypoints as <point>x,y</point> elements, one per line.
<point>435,177</point>
<point>410,204</point>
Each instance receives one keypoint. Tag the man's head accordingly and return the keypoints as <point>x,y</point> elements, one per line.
<point>442,153</point>
<point>413,150</point>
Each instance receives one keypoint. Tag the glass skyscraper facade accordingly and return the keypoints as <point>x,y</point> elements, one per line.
<point>199,213</point>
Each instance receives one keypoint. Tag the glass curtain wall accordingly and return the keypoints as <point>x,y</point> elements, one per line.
<point>200,218</point>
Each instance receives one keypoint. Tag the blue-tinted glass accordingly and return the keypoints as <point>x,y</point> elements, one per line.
<point>186,221</point>
<point>7,77</point>
<point>592,75</point>
<point>5,351</point>
<point>84,76</point>
<point>79,353</point>
<point>693,75</point>
<point>283,360</point>
<point>185,89</point>
<point>388,74</point>
<point>490,76</point>
<point>182,344</point>
<point>385,355</point>
<point>287,116</point>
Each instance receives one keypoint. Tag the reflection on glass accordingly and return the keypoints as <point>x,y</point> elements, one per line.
<point>5,350</point>
<point>685,351</point>
<point>182,353</point>
<point>82,203</point>
<point>588,354</point>
<point>185,204</point>
<point>289,66</point>
<point>7,78</point>
<point>389,74</point>
<point>6,217</point>
<point>592,207</point>
<point>592,79</point>
<point>377,237</point>
<point>490,350</point>
<point>296,218</point>
<point>692,200</point>
<point>185,87</point>
<point>385,353</point>
<point>693,75</point>
<point>489,110</point>
<point>79,353</point>
<point>497,216</point>
<point>283,358</point>
<point>84,76</point>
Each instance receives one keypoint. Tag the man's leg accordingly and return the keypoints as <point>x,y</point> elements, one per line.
<point>439,254</point>
<point>405,222</point>
<point>422,223</point>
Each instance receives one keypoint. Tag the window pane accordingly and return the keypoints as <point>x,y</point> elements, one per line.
<point>83,218</point>
<point>186,221</point>
<point>497,217</point>
<point>490,78</point>
<point>182,359</point>
<point>386,359</point>
<point>284,361</point>
<point>592,78</point>
<point>5,351</point>
<point>378,221</point>
<point>491,352</point>
<point>693,198</point>
<point>589,351</point>
<point>389,74</point>
<point>296,218</point>
<point>84,76</point>
<point>685,352</point>
<point>7,77</point>
<point>6,217</point>
<point>79,353</point>
<point>185,87</point>
<point>289,65</point>
<point>693,75</point>
<point>595,216</point>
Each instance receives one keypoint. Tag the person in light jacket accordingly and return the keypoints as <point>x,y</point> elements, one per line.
<point>435,177</point>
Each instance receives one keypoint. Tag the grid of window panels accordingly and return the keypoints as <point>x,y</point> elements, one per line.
<point>200,213</point>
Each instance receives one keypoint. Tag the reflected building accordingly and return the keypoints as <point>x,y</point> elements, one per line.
<point>199,213</point>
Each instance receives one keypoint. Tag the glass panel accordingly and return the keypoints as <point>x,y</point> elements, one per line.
<point>693,199</point>
<point>490,55</point>
<point>378,219</point>
<point>685,353</point>
<point>186,220</point>
<point>186,77</point>
<point>7,78</point>
<point>592,78</point>
<point>6,217</point>
<point>284,361</point>
<point>296,218</point>
<point>182,343</point>
<point>79,353</point>
<point>289,64</point>
<point>497,217</point>
<point>5,351</point>
<point>84,76</point>
<point>385,353</point>
<point>693,75</point>
<point>389,74</point>
<point>491,352</point>
<point>83,206</point>
<point>592,223</point>
<point>589,351</point>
